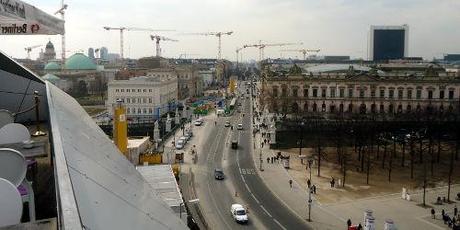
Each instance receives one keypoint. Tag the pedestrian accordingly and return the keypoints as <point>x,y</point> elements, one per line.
<point>443,213</point>
<point>268,160</point>
<point>290,183</point>
<point>314,189</point>
<point>348,222</point>
<point>308,183</point>
<point>360,227</point>
<point>433,213</point>
<point>455,210</point>
<point>273,158</point>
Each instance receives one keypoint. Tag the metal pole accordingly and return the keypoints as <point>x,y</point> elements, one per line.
<point>309,204</point>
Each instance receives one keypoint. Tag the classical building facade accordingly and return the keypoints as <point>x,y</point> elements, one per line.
<point>360,93</point>
<point>146,97</point>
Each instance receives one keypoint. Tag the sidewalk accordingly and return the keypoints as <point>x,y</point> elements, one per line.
<point>405,214</point>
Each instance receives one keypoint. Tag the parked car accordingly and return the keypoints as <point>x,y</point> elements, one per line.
<point>227,124</point>
<point>239,126</point>
<point>180,144</point>
<point>218,174</point>
<point>187,135</point>
<point>198,122</point>
<point>239,213</point>
<point>184,139</point>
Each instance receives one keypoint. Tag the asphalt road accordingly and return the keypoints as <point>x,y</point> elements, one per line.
<point>216,197</point>
<point>268,209</point>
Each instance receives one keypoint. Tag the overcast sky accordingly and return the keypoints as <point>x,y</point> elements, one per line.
<point>337,27</point>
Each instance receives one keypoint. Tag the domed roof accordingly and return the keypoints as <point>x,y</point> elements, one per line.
<point>52,66</point>
<point>49,45</point>
<point>79,61</point>
<point>50,77</point>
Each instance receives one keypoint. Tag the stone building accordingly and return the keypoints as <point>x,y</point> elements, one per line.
<point>367,91</point>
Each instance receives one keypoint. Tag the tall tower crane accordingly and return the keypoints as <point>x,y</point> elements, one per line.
<point>262,46</point>
<point>62,12</point>
<point>29,49</point>
<point>122,29</point>
<point>157,39</point>
<point>237,55</point>
<point>303,51</point>
<point>219,36</point>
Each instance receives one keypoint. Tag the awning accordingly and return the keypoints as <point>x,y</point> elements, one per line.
<point>20,18</point>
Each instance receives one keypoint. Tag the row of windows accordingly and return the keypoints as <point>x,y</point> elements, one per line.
<point>363,108</point>
<point>139,110</point>
<point>362,93</point>
<point>133,90</point>
<point>134,100</point>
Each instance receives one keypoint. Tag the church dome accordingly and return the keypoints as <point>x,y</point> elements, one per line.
<point>50,77</point>
<point>79,61</point>
<point>52,66</point>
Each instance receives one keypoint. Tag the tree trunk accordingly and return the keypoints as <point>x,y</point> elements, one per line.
<point>403,153</point>
<point>430,150</point>
<point>378,150</point>
<point>384,155</point>
<point>344,168</point>
<point>451,170</point>
<point>420,150</point>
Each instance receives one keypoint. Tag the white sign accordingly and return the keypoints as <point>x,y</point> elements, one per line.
<point>20,18</point>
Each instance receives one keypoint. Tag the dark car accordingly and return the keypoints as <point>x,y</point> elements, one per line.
<point>218,174</point>
<point>234,144</point>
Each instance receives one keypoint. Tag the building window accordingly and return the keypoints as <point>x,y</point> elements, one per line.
<point>342,92</point>
<point>128,90</point>
<point>144,90</point>
<point>451,94</point>
<point>373,93</point>
<point>409,94</point>
<point>283,92</point>
<point>305,92</point>
<point>390,108</point>
<point>430,94</point>
<point>128,110</point>
<point>350,108</point>
<point>361,93</point>
<point>382,108</point>
<point>128,100</point>
<point>145,110</point>
<point>138,90</point>
<point>323,93</point>
<point>350,92</point>
<point>144,100</point>
<point>323,108</point>
<point>382,93</point>
<point>122,90</point>
<point>332,92</point>
<point>419,94</point>
<point>441,94</point>
<point>139,110</point>
<point>391,93</point>
<point>315,92</point>
<point>400,93</point>
<point>275,92</point>
<point>295,92</point>
<point>150,100</point>
<point>150,90</point>
<point>150,110</point>
<point>117,90</point>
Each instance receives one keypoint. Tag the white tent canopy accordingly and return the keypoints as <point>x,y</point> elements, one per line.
<point>20,18</point>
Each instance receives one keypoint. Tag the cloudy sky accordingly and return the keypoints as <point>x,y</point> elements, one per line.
<point>337,27</point>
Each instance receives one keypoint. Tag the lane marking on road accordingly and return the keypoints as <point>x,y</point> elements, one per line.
<point>255,198</point>
<point>265,210</point>
<point>277,222</point>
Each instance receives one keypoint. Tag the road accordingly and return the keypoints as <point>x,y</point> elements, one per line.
<point>216,197</point>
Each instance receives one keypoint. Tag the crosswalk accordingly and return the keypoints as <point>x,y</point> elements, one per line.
<point>247,171</point>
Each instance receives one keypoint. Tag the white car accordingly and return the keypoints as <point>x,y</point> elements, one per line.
<point>239,213</point>
<point>227,124</point>
<point>198,122</point>
<point>239,126</point>
<point>180,144</point>
<point>184,139</point>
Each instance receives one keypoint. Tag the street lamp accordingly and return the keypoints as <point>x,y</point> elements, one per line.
<point>301,137</point>
<point>310,163</point>
<point>309,204</point>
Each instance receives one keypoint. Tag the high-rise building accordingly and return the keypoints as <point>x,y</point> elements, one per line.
<point>104,53</point>
<point>388,42</point>
<point>91,53</point>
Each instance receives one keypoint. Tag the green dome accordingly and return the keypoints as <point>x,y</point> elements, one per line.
<point>79,61</point>
<point>52,66</point>
<point>50,77</point>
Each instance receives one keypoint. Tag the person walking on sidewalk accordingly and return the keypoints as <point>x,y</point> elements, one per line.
<point>290,183</point>
<point>314,189</point>
<point>433,213</point>
<point>268,160</point>
<point>455,210</point>
<point>348,223</point>
<point>272,159</point>
<point>308,183</point>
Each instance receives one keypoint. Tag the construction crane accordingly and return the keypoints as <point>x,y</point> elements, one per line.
<point>159,38</point>
<point>219,36</point>
<point>262,46</point>
<point>29,49</point>
<point>186,54</point>
<point>122,29</point>
<point>237,55</point>
<point>303,51</point>
<point>62,12</point>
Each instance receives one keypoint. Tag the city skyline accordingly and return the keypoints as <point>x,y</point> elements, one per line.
<point>335,27</point>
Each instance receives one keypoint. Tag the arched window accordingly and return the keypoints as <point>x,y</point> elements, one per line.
<point>315,109</point>
<point>323,107</point>
<point>332,108</point>
<point>409,108</point>
<point>362,108</point>
<point>341,108</point>
<point>400,109</point>
<point>373,108</point>
<point>391,108</point>
<point>305,107</point>
<point>382,108</point>
<point>350,108</point>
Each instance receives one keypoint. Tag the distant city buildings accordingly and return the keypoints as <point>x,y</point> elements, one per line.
<point>146,97</point>
<point>388,42</point>
<point>340,91</point>
<point>91,53</point>
<point>49,54</point>
<point>104,53</point>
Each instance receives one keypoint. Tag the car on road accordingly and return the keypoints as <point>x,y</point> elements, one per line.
<point>227,124</point>
<point>239,213</point>
<point>239,126</point>
<point>184,139</point>
<point>180,144</point>
<point>218,174</point>
<point>198,122</point>
<point>188,136</point>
